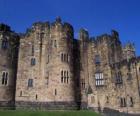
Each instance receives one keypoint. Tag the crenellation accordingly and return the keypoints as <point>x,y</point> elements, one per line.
<point>48,68</point>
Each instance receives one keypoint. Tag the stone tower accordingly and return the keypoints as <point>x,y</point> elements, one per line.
<point>45,72</point>
<point>50,69</point>
<point>129,51</point>
<point>8,56</point>
<point>84,74</point>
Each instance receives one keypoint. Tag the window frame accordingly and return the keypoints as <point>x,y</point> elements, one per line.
<point>99,79</point>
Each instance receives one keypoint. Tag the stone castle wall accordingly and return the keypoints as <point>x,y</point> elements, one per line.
<point>56,71</point>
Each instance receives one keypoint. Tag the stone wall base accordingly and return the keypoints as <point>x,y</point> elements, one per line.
<point>7,105</point>
<point>112,112</point>
<point>46,105</point>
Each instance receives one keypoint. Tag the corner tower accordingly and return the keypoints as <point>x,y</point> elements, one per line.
<point>9,42</point>
<point>45,72</point>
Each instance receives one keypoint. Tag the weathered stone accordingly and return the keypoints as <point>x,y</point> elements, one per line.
<point>56,71</point>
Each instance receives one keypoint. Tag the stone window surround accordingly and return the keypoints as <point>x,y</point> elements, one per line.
<point>64,57</point>
<point>5,75</point>
<point>83,83</point>
<point>33,61</point>
<point>99,79</point>
<point>64,76</point>
<point>30,82</point>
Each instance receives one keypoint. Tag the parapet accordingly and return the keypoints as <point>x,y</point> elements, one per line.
<point>4,27</point>
<point>83,34</point>
<point>115,34</point>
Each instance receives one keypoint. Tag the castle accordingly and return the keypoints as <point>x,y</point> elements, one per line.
<point>47,68</point>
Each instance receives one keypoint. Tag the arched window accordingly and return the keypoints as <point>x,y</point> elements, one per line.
<point>30,83</point>
<point>62,57</point>
<point>121,102</point>
<point>4,78</point>
<point>36,96</point>
<point>62,76</point>
<point>55,92</point>
<point>33,61</point>
<point>32,50</point>
<point>67,76</point>
<point>67,79</point>
<point>83,83</point>
<point>67,58</point>
<point>64,73</point>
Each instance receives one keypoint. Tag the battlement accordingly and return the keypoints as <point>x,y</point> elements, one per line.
<point>4,27</point>
<point>83,34</point>
<point>54,70</point>
<point>56,26</point>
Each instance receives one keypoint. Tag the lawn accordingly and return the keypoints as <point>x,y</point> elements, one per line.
<point>46,113</point>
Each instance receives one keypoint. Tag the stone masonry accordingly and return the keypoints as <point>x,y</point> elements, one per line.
<point>47,68</point>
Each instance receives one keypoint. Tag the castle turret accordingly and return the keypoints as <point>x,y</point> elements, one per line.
<point>8,56</point>
<point>48,71</point>
<point>129,51</point>
<point>84,74</point>
<point>61,56</point>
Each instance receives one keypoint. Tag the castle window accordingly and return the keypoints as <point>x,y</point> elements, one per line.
<point>97,59</point>
<point>67,58</point>
<point>32,50</point>
<point>83,83</point>
<point>67,77</point>
<point>36,96</point>
<point>47,79</point>
<point>139,69</point>
<point>119,78</point>
<point>30,83</point>
<point>107,99</point>
<point>62,57</point>
<point>99,80</point>
<point>55,92</point>
<point>4,44</point>
<point>62,76</point>
<point>122,102</point>
<point>131,102</point>
<point>4,78</point>
<point>33,61</point>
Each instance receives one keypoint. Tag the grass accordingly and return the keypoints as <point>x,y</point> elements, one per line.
<point>47,113</point>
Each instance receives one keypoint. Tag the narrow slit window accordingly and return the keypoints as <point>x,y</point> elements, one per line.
<point>33,61</point>
<point>30,83</point>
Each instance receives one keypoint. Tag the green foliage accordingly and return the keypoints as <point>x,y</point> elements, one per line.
<point>47,113</point>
